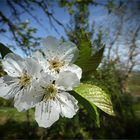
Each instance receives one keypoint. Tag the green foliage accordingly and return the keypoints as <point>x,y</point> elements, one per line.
<point>134,83</point>
<point>25,36</point>
<point>110,5</point>
<point>86,60</point>
<point>81,34</point>
<point>85,49</point>
<point>96,96</point>
<point>94,61</point>
<point>91,108</point>
<point>5,103</point>
<point>62,129</point>
<point>1,70</point>
<point>89,96</point>
<point>109,79</point>
<point>4,50</point>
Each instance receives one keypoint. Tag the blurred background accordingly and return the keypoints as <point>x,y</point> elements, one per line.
<point>114,24</point>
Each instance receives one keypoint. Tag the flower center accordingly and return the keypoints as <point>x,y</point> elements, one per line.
<point>50,91</point>
<point>56,64</point>
<point>25,80</point>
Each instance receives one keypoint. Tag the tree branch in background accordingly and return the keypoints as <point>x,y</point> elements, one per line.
<point>132,54</point>
<point>12,27</point>
<point>22,33</point>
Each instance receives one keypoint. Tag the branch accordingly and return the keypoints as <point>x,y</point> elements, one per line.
<point>50,15</point>
<point>132,54</point>
<point>30,13</point>
<point>12,27</point>
<point>15,12</point>
<point>119,28</point>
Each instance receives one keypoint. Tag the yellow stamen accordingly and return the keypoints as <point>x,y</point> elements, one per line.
<point>50,91</point>
<point>25,80</point>
<point>56,64</point>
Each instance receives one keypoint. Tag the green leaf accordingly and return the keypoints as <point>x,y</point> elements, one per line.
<point>95,95</point>
<point>94,61</point>
<point>4,50</point>
<point>86,60</point>
<point>85,49</point>
<point>91,108</point>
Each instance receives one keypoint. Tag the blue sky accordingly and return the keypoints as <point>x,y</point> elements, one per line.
<point>105,22</point>
<point>44,29</point>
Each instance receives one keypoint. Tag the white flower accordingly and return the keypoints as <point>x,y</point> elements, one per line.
<point>58,56</point>
<point>20,81</point>
<point>55,100</point>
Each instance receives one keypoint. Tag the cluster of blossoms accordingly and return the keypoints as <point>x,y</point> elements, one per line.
<point>42,81</point>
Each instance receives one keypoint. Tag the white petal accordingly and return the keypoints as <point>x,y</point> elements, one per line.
<point>8,87</point>
<point>50,42</point>
<point>68,52</point>
<point>68,104</point>
<point>13,64</point>
<point>46,79</point>
<point>33,67</point>
<point>47,113</point>
<point>51,45</point>
<point>38,56</point>
<point>42,60</point>
<point>26,99</point>
<point>45,66</point>
<point>73,68</point>
<point>67,80</point>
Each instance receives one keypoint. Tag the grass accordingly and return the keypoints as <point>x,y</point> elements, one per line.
<point>136,108</point>
<point>15,125</point>
<point>134,83</point>
<point>134,89</point>
<point>10,112</point>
